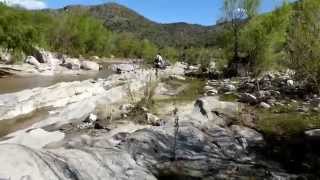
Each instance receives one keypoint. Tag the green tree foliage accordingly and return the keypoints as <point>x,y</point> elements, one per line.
<point>170,53</point>
<point>77,31</point>
<point>235,11</point>
<point>148,50</point>
<point>304,41</point>
<point>262,40</point>
<point>15,32</point>
<point>70,32</point>
<point>79,34</point>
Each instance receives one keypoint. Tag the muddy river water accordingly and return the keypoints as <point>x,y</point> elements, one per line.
<point>14,84</point>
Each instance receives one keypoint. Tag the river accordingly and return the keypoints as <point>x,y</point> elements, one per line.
<point>15,84</point>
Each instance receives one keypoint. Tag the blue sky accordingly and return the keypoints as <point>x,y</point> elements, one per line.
<point>205,12</point>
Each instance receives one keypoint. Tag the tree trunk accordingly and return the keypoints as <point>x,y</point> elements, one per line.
<point>236,42</point>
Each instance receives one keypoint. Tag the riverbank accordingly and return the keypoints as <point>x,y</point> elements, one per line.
<point>135,125</point>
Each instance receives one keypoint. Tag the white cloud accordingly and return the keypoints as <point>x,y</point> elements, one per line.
<point>28,4</point>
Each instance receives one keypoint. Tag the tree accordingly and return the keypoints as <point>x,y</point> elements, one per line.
<point>262,40</point>
<point>235,13</point>
<point>304,42</point>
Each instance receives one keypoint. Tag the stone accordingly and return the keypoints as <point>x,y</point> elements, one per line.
<point>40,54</point>
<point>33,61</point>
<point>264,105</point>
<point>252,137</point>
<point>315,102</point>
<point>5,56</point>
<point>125,108</point>
<point>36,138</point>
<point>303,109</point>
<point>290,83</point>
<point>67,164</point>
<point>177,77</point>
<point>315,133</point>
<point>119,68</point>
<point>228,88</point>
<point>175,69</point>
<point>152,119</point>
<point>86,125</point>
<point>271,102</point>
<point>90,65</point>
<point>207,88</point>
<point>193,68</point>
<point>212,92</point>
<point>248,98</point>
<point>58,95</point>
<point>210,107</point>
<point>263,94</point>
<point>95,58</point>
<point>316,109</point>
<point>275,93</point>
<point>72,63</point>
<point>201,139</point>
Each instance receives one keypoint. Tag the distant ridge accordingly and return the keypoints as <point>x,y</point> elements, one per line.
<point>119,18</point>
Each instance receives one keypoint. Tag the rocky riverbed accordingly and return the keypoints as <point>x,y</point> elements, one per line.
<point>112,128</point>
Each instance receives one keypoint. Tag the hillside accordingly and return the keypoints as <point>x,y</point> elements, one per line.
<point>119,18</point>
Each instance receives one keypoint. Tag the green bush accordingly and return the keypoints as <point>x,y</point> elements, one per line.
<point>304,42</point>
<point>263,40</point>
<point>70,32</point>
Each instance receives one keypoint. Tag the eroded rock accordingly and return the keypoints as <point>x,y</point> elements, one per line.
<point>90,65</point>
<point>33,61</point>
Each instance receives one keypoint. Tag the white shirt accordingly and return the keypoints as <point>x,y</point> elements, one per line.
<point>159,57</point>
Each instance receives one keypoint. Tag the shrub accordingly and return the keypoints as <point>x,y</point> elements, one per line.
<point>303,46</point>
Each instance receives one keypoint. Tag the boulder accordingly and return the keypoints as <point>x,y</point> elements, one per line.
<point>5,56</point>
<point>252,137</point>
<point>207,88</point>
<point>65,164</point>
<point>263,95</point>
<point>212,92</point>
<point>248,98</point>
<point>211,107</point>
<point>58,95</point>
<point>35,138</point>
<point>290,83</point>
<point>90,65</point>
<point>40,54</point>
<point>95,58</point>
<point>152,119</point>
<point>175,69</point>
<point>33,61</point>
<point>126,108</point>
<point>72,63</point>
<point>228,88</point>
<point>315,133</point>
<point>315,102</point>
<point>119,68</point>
<point>177,77</point>
<point>197,147</point>
<point>264,105</point>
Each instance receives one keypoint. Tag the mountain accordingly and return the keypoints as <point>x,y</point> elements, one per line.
<point>119,18</point>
